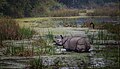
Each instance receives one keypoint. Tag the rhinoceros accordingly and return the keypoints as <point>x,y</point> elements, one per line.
<point>74,43</point>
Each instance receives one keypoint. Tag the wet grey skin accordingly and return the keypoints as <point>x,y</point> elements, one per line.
<point>74,43</point>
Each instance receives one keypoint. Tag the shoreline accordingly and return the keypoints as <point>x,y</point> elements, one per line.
<point>35,18</point>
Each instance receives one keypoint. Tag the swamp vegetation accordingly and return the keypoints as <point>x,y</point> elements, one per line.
<point>35,42</point>
<point>28,29</point>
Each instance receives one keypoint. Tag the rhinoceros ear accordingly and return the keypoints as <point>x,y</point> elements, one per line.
<point>61,36</point>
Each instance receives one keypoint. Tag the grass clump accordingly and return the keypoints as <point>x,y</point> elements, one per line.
<point>36,64</point>
<point>26,32</point>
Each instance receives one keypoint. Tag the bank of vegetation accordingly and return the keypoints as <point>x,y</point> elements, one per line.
<point>56,8</point>
<point>106,11</point>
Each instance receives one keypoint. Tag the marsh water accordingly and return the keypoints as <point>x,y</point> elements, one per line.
<point>100,19</point>
<point>97,19</point>
<point>55,58</point>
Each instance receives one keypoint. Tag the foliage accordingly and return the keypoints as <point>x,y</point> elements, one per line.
<point>111,54</point>
<point>50,36</point>
<point>114,29</point>
<point>26,32</point>
<point>110,11</point>
<point>36,64</point>
<point>64,12</point>
<point>18,51</point>
<point>24,8</point>
<point>85,3</point>
<point>66,22</point>
<point>36,8</point>
<point>10,30</point>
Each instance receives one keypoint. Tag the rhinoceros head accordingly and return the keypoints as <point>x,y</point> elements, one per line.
<point>58,40</point>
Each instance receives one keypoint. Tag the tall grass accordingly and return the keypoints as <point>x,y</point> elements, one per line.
<point>109,12</point>
<point>36,64</point>
<point>26,32</point>
<point>110,52</point>
<point>64,12</point>
<point>10,30</point>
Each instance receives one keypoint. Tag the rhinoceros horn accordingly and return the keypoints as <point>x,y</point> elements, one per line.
<point>61,36</point>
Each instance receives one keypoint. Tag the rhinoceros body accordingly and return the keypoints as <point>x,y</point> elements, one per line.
<point>79,44</point>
